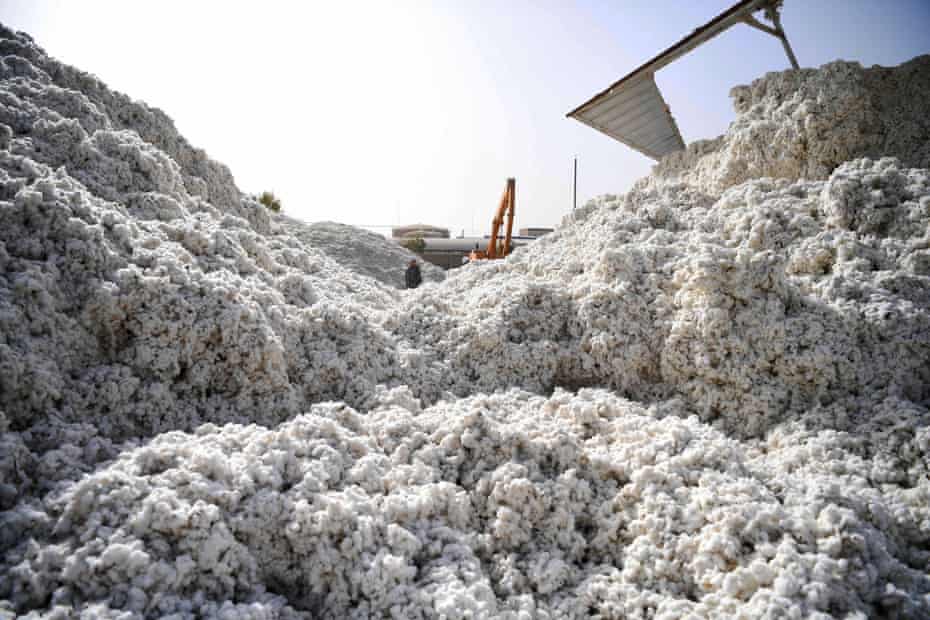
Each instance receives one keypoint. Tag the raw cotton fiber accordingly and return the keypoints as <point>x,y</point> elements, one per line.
<point>705,398</point>
<point>361,251</point>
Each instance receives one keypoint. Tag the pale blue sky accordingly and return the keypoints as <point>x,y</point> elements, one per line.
<point>386,112</point>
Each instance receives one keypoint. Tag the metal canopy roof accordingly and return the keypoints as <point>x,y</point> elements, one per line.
<point>632,109</point>
<point>636,115</point>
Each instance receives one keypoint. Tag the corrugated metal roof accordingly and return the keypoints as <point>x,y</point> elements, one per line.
<point>632,109</point>
<point>638,116</point>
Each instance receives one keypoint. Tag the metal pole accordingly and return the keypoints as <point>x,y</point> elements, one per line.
<point>784,39</point>
<point>575,186</point>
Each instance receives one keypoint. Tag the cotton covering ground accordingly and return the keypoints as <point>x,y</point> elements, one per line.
<point>704,398</point>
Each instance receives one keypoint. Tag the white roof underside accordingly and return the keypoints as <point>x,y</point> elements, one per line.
<point>636,114</point>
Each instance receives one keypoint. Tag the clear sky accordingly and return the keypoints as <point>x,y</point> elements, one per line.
<point>386,112</point>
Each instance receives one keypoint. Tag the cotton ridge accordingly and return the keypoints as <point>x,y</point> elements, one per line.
<point>705,398</point>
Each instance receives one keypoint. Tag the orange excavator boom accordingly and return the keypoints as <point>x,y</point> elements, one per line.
<point>495,248</point>
<point>511,204</point>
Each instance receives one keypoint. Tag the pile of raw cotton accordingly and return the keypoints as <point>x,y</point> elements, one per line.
<point>358,250</point>
<point>705,398</point>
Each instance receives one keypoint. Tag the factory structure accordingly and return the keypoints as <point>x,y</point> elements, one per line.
<point>449,252</point>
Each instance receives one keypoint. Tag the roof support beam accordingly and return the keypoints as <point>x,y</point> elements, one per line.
<point>772,14</point>
<point>778,32</point>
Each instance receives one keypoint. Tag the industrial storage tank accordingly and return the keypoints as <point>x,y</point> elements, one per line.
<point>450,253</point>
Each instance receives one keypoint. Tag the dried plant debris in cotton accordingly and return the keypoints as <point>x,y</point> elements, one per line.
<point>707,397</point>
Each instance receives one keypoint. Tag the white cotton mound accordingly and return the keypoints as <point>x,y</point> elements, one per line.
<point>777,298</point>
<point>512,505</point>
<point>707,397</point>
<point>358,250</point>
<point>803,124</point>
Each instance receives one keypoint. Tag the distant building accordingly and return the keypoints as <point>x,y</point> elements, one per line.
<point>535,232</point>
<point>424,231</point>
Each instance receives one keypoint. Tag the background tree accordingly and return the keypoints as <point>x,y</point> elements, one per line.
<point>271,201</point>
<point>416,245</point>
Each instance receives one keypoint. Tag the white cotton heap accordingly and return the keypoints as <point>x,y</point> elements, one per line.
<point>803,124</point>
<point>705,398</point>
<point>358,250</point>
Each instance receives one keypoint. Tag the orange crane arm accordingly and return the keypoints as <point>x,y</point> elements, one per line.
<point>511,206</point>
<point>506,206</point>
<point>495,248</point>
